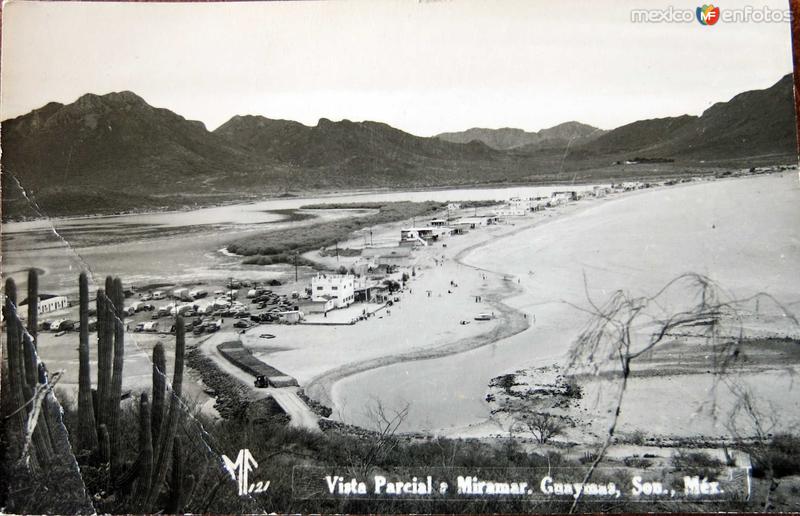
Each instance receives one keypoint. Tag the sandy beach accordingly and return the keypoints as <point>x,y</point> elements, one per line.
<point>608,242</point>
<point>529,273</point>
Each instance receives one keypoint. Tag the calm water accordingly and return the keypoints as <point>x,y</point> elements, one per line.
<point>745,234</point>
<point>175,246</point>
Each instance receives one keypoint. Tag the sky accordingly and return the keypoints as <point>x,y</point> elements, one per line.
<point>422,66</point>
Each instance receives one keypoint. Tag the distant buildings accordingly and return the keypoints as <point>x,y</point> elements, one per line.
<point>49,303</point>
<point>474,222</point>
<point>601,191</point>
<point>563,197</point>
<point>422,235</point>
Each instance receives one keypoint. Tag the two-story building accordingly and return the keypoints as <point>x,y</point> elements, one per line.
<point>340,288</point>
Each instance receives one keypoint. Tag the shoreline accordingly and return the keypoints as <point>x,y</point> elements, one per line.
<point>323,387</point>
<point>513,322</point>
<point>698,170</point>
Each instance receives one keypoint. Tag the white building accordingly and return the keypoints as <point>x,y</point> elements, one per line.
<point>422,236</point>
<point>516,207</point>
<point>338,287</point>
<point>49,303</point>
<point>601,191</point>
<point>474,222</point>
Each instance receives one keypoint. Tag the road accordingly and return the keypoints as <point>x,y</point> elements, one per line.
<point>300,413</point>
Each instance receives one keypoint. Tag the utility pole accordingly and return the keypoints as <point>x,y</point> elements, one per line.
<point>295,266</point>
<point>370,237</point>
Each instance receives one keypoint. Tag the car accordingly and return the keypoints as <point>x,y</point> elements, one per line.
<point>147,297</point>
<point>149,307</point>
<point>483,317</point>
<point>241,315</point>
<point>197,330</point>
<point>241,323</point>
<point>159,295</point>
<point>139,327</point>
<point>266,336</point>
<point>261,381</point>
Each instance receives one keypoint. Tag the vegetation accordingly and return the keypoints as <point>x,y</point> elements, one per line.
<point>281,246</point>
<point>115,469</point>
<point>171,458</point>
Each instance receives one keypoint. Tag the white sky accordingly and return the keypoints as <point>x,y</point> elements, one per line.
<point>423,67</point>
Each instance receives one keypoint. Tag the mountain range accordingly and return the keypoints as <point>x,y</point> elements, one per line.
<point>115,152</point>
<point>510,138</point>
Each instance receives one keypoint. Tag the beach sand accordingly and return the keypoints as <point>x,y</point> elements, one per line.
<point>740,232</point>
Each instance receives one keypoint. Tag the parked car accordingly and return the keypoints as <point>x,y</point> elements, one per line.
<point>159,295</point>
<point>261,381</point>
<point>146,297</point>
<point>242,323</point>
<point>198,294</point>
<point>483,317</point>
<point>62,325</point>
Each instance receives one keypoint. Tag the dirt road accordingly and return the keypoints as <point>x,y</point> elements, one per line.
<point>301,415</point>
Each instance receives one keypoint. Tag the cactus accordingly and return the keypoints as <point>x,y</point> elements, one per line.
<point>177,495</point>
<point>159,388</point>
<point>145,453</point>
<point>102,437</point>
<point>187,494</point>
<point>103,358</point>
<point>42,440</point>
<point>87,431</point>
<point>170,426</point>
<point>16,376</point>
<point>118,299</point>
<point>33,305</point>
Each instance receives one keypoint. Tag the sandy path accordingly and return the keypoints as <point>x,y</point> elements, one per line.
<point>301,415</point>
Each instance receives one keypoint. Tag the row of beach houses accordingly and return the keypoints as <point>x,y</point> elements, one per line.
<point>514,207</point>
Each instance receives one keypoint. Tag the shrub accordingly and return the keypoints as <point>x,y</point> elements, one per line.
<point>696,463</point>
<point>782,453</point>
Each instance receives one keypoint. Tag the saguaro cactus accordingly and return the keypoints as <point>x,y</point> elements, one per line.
<point>116,379</point>
<point>176,504</point>
<point>102,436</point>
<point>33,305</point>
<point>145,454</point>
<point>87,431</point>
<point>167,434</point>
<point>103,359</point>
<point>159,388</point>
<point>16,373</point>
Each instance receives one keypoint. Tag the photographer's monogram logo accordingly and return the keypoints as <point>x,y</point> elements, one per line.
<point>240,470</point>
